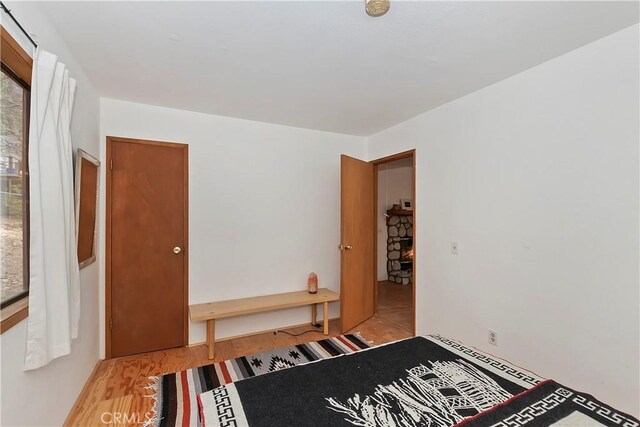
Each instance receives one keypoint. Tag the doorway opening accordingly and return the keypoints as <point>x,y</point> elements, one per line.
<point>377,251</point>
<point>395,239</point>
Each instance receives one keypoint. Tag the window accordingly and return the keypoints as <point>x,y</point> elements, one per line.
<point>14,224</point>
<point>15,78</point>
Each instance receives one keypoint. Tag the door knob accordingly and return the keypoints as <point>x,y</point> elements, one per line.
<point>177,250</point>
<point>344,247</point>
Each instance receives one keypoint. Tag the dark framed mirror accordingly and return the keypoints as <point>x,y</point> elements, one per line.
<point>87,189</point>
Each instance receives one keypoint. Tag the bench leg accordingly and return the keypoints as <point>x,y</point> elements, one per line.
<point>211,337</point>
<point>314,314</point>
<point>326,318</point>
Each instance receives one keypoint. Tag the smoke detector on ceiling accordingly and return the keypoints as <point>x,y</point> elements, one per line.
<point>377,7</point>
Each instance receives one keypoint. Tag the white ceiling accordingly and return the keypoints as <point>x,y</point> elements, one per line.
<point>321,64</point>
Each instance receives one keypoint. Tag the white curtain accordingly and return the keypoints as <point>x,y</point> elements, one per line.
<point>54,286</point>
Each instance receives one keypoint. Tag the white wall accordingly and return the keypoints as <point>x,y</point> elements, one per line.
<point>395,182</point>
<point>536,178</point>
<point>263,205</point>
<point>45,396</point>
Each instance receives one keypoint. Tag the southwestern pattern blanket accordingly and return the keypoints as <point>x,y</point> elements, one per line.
<point>175,395</point>
<point>422,381</point>
<point>415,382</point>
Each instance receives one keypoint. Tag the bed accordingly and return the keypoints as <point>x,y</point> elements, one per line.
<point>421,381</point>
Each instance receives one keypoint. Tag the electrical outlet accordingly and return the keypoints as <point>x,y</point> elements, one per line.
<point>454,248</point>
<point>493,337</point>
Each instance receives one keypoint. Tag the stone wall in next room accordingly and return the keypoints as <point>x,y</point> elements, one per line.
<point>399,231</point>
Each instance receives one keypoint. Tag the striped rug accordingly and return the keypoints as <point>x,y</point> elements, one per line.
<point>176,394</point>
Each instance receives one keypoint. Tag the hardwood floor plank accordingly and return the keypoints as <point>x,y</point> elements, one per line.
<point>141,402</point>
<point>253,344</point>
<point>166,361</point>
<point>113,412</point>
<point>123,375</point>
<point>199,354</point>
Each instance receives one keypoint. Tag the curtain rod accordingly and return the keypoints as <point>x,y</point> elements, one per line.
<point>8,12</point>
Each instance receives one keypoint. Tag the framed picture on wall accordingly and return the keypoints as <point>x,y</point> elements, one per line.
<point>406,204</point>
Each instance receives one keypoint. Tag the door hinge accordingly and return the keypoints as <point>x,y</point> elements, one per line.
<point>110,323</point>
<point>111,164</point>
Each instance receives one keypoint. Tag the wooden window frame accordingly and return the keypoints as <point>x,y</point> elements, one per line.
<point>17,63</point>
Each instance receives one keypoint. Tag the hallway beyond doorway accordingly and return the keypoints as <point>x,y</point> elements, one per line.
<point>395,305</point>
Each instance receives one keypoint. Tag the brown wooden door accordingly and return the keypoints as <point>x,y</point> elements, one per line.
<point>147,237</point>
<point>357,276</point>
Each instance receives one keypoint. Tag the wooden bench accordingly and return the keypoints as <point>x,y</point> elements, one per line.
<point>211,311</point>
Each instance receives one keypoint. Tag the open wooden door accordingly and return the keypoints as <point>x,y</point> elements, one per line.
<point>357,275</point>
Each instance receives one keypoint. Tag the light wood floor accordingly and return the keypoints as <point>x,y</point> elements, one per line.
<point>118,385</point>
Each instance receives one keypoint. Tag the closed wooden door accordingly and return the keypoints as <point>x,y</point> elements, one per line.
<point>357,276</point>
<point>146,245</point>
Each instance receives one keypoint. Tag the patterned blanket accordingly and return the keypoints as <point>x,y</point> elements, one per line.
<point>420,381</point>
